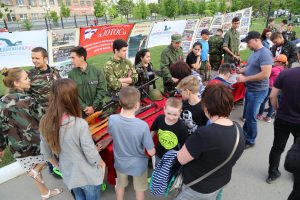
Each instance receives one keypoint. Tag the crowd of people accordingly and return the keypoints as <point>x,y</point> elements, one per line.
<point>42,116</point>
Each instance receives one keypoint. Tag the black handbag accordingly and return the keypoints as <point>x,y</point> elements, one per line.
<point>292,159</point>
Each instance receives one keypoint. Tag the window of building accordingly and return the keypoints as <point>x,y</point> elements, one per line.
<point>88,3</point>
<point>82,3</point>
<point>51,2</point>
<point>35,16</point>
<point>23,16</point>
<point>42,2</point>
<point>68,2</point>
<point>32,3</point>
<point>20,2</point>
<point>7,2</point>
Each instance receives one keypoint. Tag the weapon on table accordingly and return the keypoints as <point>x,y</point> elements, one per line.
<point>145,108</point>
<point>98,124</point>
<point>91,119</point>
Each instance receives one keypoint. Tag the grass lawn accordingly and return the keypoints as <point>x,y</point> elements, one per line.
<point>100,60</point>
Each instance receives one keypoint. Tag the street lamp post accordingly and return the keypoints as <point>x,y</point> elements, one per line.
<point>269,11</point>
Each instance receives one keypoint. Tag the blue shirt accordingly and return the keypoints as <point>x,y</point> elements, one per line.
<point>259,57</point>
<point>205,50</point>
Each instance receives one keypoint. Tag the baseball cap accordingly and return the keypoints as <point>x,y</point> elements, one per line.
<point>176,37</point>
<point>205,31</point>
<point>281,58</point>
<point>251,35</point>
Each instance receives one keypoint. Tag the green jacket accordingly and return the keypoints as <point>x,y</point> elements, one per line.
<point>41,82</point>
<point>91,85</point>
<point>19,124</point>
<point>169,56</point>
<point>232,41</point>
<point>216,45</point>
<point>115,69</point>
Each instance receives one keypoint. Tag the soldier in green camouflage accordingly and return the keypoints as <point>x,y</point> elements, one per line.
<point>119,71</point>
<point>216,49</point>
<point>42,76</point>
<point>170,55</point>
<point>19,127</point>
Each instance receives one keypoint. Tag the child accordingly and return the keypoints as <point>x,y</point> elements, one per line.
<point>67,135</point>
<point>131,136</point>
<point>171,131</point>
<point>192,114</point>
<point>279,64</point>
<point>223,75</point>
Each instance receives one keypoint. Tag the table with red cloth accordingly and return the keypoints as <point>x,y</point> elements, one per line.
<point>108,155</point>
<point>238,91</point>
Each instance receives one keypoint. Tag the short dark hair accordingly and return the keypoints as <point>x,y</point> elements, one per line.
<point>42,50</point>
<point>217,99</point>
<point>180,69</point>
<point>276,35</point>
<point>219,30</point>
<point>129,96</point>
<point>225,68</point>
<point>290,24</point>
<point>284,21</point>
<point>271,20</point>
<point>235,19</point>
<point>197,44</point>
<point>119,44</point>
<point>80,51</point>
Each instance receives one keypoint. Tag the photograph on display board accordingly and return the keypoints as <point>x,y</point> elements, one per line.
<point>61,54</point>
<point>238,14</point>
<point>245,22</point>
<point>226,26</point>
<point>247,12</point>
<point>187,35</point>
<point>185,46</point>
<point>191,24</point>
<point>64,68</point>
<point>65,37</point>
<point>243,31</point>
<point>217,21</point>
<point>213,30</point>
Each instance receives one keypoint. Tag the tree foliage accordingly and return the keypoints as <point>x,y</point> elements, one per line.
<point>141,10</point>
<point>201,7</point>
<point>153,7</point>
<point>170,8</point>
<point>222,6</point>
<point>125,7</point>
<point>27,24</point>
<point>99,8</point>
<point>113,11</point>
<point>54,17</point>
<point>64,10</point>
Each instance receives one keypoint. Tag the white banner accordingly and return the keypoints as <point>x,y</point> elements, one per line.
<point>162,31</point>
<point>60,43</point>
<point>15,48</point>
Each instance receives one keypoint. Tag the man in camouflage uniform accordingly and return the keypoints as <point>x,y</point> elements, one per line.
<point>231,44</point>
<point>19,124</point>
<point>119,71</point>
<point>282,46</point>
<point>90,81</point>
<point>42,76</point>
<point>216,49</point>
<point>170,55</point>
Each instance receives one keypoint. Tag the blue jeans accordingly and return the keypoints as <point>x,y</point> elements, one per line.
<point>189,194</point>
<point>253,101</point>
<point>87,192</point>
<point>262,106</point>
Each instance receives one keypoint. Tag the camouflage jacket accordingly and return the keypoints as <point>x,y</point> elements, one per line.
<point>169,56</point>
<point>216,45</point>
<point>288,49</point>
<point>19,124</point>
<point>145,74</point>
<point>41,82</point>
<point>115,69</point>
<point>232,41</point>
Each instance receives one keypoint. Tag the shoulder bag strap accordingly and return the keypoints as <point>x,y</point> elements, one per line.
<point>222,164</point>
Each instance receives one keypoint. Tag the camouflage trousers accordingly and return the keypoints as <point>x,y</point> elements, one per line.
<point>205,72</point>
<point>215,61</point>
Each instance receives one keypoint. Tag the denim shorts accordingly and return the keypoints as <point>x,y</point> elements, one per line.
<point>87,192</point>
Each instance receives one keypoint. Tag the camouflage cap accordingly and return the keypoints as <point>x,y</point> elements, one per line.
<point>176,37</point>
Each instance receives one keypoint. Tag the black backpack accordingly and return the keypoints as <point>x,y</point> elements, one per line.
<point>292,159</point>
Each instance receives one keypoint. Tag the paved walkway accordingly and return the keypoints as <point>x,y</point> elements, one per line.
<point>248,179</point>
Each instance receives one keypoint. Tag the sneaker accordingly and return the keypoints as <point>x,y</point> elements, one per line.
<point>272,178</point>
<point>268,119</point>
<point>259,117</point>
<point>249,145</point>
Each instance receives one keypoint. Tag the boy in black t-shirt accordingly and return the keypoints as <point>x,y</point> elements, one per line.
<point>171,131</point>
<point>192,114</point>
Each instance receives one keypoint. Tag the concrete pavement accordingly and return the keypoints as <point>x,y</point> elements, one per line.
<point>248,178</point>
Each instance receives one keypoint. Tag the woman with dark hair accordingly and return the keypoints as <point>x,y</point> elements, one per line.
<point>19,127</point>
<point>180,70</point>
<point>220,142</point>
<point>144,67</point>
<point>265,38</point>
<point>193,59</point>
<point>66,134</point>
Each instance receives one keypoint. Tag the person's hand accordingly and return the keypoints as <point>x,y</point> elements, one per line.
<point>240,70</point>
<point>241,78</point>
<point>238,58</point>
<point>129,73</point>
<point>208,65</point>
<point>89,110</point>
<point>2,154</point>
<point>175,80</point>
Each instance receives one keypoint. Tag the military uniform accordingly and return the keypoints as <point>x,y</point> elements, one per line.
<point>232,41</point>
<point>168,57</point>
<point>41,82</point>
<point>145,74</point>
<point>115,69</point>
<point>19,124</point>
<point>91,86</point>
<point>288,49</point>
<point>215,51</point>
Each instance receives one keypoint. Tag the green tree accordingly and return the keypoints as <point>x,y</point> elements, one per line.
<point>64,10</point>
<point>153,7</point>
<point>141,10</point>
<point>185,8</point>
<point>222,6</point>
<point>194,7</point>
<point>113,11</point>
<point>99,9</point>
<point>212,6</point>
<point>54,17</point>
<point>27,24</point>
<point>4,10</point>
<point>201,7</point>
<point>235,5</point>
<point>125,7</point>
<point>208,12</point>
<point>170,8</point>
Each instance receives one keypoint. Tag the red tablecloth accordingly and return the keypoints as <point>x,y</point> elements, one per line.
<point>108,154</point>
<point>238,92</point>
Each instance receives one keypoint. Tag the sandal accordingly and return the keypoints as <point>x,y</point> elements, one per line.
<point>51,193</point>
<point>36,175</point>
